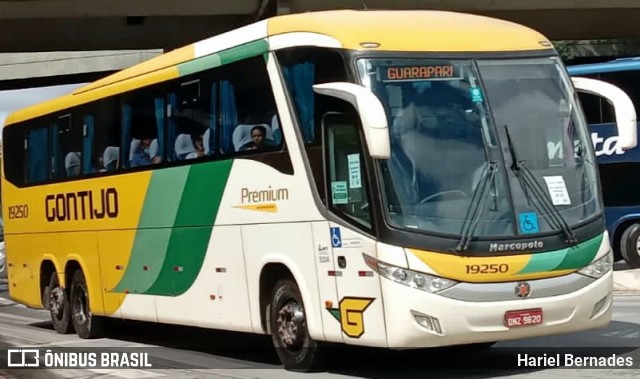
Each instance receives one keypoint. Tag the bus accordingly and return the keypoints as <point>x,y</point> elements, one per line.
<point>322,178</point>
<point>616,165</point>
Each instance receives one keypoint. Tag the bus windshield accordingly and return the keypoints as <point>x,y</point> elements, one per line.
<point>498,144</point>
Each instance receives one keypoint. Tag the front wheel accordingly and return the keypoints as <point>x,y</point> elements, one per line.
<point>295,347</point>
<point>630,246</point>
<point>87,326</point>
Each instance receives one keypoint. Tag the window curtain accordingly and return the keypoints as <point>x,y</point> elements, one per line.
<point>56,159</point>
<point>87,146</point>
<point>159,106</point>
<point>126,135</point>
<point>37,142</point>
<point>229,118</point>
<point>213,118</point>
<point>172,126</point>
<point>301,78</point>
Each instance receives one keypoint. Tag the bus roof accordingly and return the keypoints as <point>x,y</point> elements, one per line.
<point>413,30</point>
<point>437,31</point>
<point>622,64</point>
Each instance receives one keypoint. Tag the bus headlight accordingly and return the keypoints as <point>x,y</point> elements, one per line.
<point>600,267</point>
<point>419,280</point>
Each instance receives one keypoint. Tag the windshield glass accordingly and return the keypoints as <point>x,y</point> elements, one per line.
<point>447,125</point>
<point>441,143</point>
<point>533,100</point>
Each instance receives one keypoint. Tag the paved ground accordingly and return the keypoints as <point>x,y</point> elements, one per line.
<point>253,357</point>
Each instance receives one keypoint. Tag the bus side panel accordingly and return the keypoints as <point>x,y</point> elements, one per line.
<point>139,307</point>
<point>289,244</point>
<point>82,247</point>
<point>115,247</point>
<point>218,297</point>
<point>24,255</point>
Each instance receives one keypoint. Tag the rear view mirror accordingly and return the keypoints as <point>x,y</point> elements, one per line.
<point>371,113</point>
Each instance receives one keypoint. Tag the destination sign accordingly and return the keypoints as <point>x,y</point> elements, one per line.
<point>440,71</point>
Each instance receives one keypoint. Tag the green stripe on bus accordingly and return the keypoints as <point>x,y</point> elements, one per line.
<point>541,262</point>
<point>234,54</point>
<point>199,64</point>
<point>581,254</point>
<point>251,49</point>
<point>192,229</point>
<point>154,229</point>
<point>570,258</point>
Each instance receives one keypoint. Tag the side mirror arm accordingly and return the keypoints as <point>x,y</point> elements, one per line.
<point>624,109</point>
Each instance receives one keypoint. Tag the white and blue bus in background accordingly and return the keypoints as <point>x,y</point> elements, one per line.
<point>619,169</point>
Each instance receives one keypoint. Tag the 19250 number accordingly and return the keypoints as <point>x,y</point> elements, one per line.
<point>488,269</point>
<point>18,211</point>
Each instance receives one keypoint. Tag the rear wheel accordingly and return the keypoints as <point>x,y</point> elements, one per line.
<point>630,246</point>
<point>295,347</point>
<point>59,307</point>
<point>87,326</point>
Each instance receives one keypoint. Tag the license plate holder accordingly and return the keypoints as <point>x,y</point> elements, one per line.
<point>523,317</point>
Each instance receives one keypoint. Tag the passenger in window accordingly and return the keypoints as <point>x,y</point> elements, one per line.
<point>144,155</point>
<point>73,164</point>
<point>198,144</point>
<point>99,163</point>
<point>110,158</point>
<point>258,133</point>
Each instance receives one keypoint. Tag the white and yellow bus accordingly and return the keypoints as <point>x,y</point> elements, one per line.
<point>376,178</point>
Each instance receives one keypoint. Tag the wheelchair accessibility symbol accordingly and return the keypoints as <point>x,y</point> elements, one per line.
<point>336,239</point>
<point>529,222</point>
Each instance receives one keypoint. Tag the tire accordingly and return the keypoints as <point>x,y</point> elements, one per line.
<point>630,246</point>
<point>58,305</point>
<point>295,347</point>
<point>87,326</point>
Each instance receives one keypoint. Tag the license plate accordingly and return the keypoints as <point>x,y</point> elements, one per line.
<point>525,317</point>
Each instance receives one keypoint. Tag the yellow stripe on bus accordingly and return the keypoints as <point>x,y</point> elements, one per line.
<point>172,58</point>
<point>69,101</point>
<point>482,269</point>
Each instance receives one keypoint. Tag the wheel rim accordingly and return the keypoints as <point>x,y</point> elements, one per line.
<point>56,303</point>
<point>638,246</point>
<point>80,307</point>
<point>291,325</point>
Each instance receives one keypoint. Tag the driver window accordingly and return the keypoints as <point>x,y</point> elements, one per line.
<point>346,172</point>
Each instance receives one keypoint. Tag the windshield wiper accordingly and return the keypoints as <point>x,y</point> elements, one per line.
<point>545,205</point>
<point>474,211</point>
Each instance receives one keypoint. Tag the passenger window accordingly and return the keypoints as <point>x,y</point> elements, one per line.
<point>104,127</point>
<point>67,147</point>
<point>143,130</point>
<point>192,121</point>
<point>15,141</point>
<point>249,120</point>
<point>346,172</point>
<point>302,67</point>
